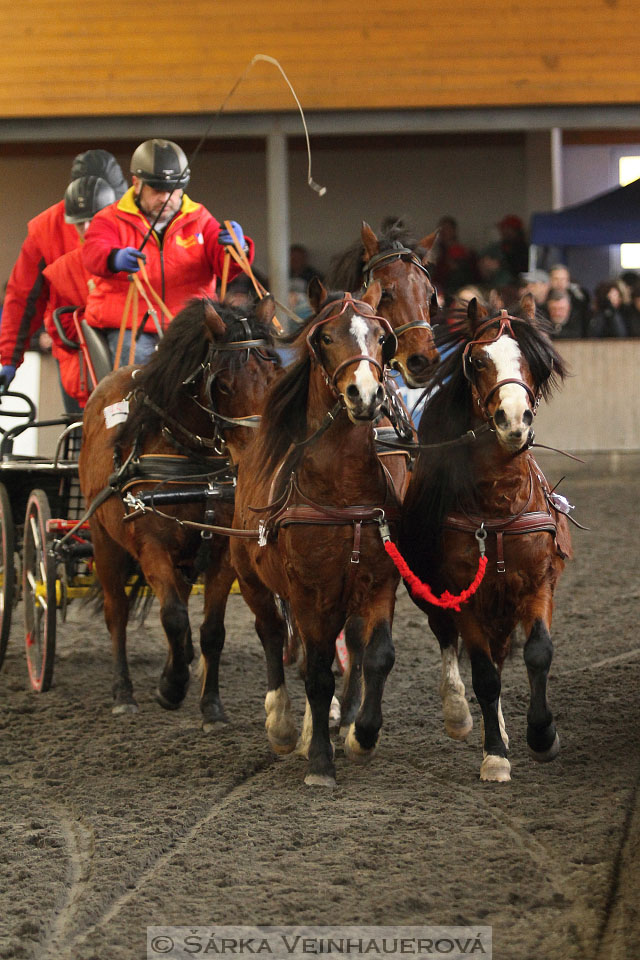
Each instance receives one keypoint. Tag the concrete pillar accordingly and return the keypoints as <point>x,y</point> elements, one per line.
<point>278,214</point>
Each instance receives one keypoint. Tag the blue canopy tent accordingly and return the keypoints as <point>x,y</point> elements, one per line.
<point>610,218</point>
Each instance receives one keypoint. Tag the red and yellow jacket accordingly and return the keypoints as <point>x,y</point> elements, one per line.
<point>185,262</point>
<point>27,298</point>
<point>69,285</point>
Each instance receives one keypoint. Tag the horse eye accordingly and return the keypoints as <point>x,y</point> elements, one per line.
<point>326,339</point>
<point>382,338</point>
<point>478,363</point>
<point>223,387</point>
<point>387,294</point>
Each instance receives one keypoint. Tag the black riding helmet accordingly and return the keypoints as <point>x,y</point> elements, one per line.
<point>85,196</point>
<point>161,164</point>
<point>100,163</point>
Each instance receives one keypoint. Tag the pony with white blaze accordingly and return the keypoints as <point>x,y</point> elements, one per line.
<point>479,489</point>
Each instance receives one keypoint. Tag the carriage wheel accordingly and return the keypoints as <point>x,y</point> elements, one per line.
<point>39,592</point>
<point>7,569</point>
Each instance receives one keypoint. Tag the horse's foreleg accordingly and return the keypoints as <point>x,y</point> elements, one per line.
<point>272,631</point>
<point>485,676</point>
<point>218,582</point>
<point>320,687</point>
<point>542,738</point>
<point>112,564</point>
<point>377,660</point>
<point>458,721</point>
<point>352,680</point>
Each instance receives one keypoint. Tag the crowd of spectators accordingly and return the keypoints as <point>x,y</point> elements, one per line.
<point>498,276</point>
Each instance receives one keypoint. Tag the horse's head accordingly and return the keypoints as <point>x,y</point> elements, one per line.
<point>408,299</point>
<point>503,385</point>
<point>351,344</point>
<point>240,367</point>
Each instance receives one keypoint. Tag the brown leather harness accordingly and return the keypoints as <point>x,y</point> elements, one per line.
<point>526,521</point>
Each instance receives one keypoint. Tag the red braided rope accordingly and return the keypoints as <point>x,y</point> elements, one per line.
<point>423,590</point>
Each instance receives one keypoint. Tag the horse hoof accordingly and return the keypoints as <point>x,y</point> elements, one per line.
<point>354,750</point>
<point>119,709</point>
<point>495,769</point>
<point>458,730</point>
<point>166,703</point>
<point>282,747</point>
<point>545,756</point>
<point>320,780</point>
<point>458,722</point>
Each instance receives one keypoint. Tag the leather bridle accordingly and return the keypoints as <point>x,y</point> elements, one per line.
<point>325,316</point>
<point>504,329</point>
<point>390,256</point>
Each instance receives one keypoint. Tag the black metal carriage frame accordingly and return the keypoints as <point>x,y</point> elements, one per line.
<point>39,499</point>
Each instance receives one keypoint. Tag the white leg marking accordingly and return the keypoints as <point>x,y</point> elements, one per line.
<point>279,724</point>
<point>455,709</point>
<point>354,750</point>
<point>302,747</point>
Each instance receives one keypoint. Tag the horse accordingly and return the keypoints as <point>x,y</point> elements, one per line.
<point>480,482</point>
<point>315,486</point>
<point>408,301</point>
<point>166,467</point>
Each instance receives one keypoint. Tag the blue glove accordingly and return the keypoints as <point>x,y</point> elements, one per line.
<point>225,237</point>
<point>127,259</point>
<point>6,376</point>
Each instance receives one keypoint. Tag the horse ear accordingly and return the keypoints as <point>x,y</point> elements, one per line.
<point>373,294</point>
<point>370,242</point>
<point>214,323</point>
<point>316,293</point>
<point>528,305</point>
<point>266,310</point>
<point>428,243</point>
<point>476,313</point>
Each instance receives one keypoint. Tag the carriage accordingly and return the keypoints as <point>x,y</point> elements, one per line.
<point>40,499</point>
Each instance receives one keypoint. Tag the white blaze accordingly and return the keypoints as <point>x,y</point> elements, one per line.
<point>364,378</point>
<point>505,354</point>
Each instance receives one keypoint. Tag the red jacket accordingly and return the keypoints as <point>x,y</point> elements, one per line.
<point>27,298</point>
<point>69,285</point>
<point>185,263</point>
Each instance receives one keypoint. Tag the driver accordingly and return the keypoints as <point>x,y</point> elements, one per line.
<point>184,252</point>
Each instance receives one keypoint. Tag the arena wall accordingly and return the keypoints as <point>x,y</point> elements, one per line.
<point>598,408</point>
<point>59,59</point>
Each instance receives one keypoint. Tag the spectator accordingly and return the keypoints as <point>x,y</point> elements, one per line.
<point>632,313</point>
<point>566,323</point>
<point>492,270</point>
<point>560,279</point>
<point>48,237</point>
<point>299,266</point>
<point>608,319</point>
<point>184,252</point>
<point>536,282</point>
<point>298,299</point>
<point>513,244</point>
<point>455,264</point>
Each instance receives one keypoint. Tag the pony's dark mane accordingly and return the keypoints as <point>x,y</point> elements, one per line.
<point>183,348</point>
<point>445,479</point>
<point>285,416</point>
<point>345,269</point>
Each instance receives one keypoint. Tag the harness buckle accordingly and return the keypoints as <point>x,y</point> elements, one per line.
<point>481,536</point>
<point>262,533</point>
